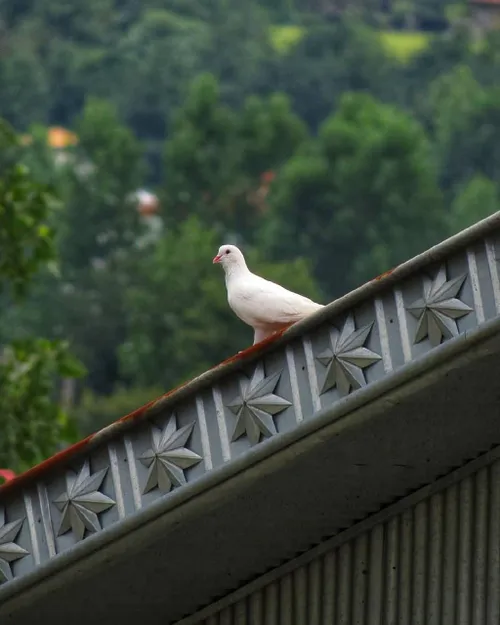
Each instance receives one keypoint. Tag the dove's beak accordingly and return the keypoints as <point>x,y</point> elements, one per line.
<point>216,259</point>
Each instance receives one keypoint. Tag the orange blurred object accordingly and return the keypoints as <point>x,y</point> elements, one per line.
<point>268,176</point>
<point>58,137</point>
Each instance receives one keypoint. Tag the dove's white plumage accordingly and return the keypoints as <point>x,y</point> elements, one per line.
<point>265,306</point>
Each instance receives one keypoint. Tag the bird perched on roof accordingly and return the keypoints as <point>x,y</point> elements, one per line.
<point>265,306</point>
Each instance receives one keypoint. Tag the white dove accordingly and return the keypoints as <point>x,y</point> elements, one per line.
<point>265,306</point>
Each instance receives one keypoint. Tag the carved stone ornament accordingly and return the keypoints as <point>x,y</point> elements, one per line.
<point>347,358</point>
<point>168,456</point>
<point>10,551</point>
<point>437,311</point>
<point>256,406</point>
<point>82,503</point>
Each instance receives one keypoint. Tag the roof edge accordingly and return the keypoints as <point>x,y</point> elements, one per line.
<point>337,307</point>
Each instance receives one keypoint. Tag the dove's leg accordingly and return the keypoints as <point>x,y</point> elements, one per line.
<point>261,334</point>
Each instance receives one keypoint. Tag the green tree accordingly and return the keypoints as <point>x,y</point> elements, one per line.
<point>467,122</point>
<point>332,58</point>
<point>156,59</point>
<point>98,233</point>
<point>268,133</point>
<point>444,52</point>
<point>96,411</point>
<point>453,96</point>
<point>476,199</point>
<point>33,425</point>
<point>200,155</point>
<point>360,199</point>
<point>216,156</point>
<point>486,59</point>
<point>239,50</point>
<point>100,216</point>
<point>179,321</point>
<point>26,239</point>
<point>25,84</point>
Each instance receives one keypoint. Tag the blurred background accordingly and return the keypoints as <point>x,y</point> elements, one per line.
<point>330,139</point>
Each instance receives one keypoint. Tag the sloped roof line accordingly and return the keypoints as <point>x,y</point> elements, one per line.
<point>337,307</point>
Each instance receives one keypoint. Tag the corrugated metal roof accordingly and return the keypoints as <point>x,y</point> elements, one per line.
<point>436,562</point>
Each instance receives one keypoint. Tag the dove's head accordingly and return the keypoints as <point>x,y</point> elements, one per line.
<point>230,257</point>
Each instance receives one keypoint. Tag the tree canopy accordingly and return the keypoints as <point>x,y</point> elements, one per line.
<point>33,424</point>
<point>330,140</point>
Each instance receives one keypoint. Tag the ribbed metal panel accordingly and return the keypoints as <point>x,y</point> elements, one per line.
<point>437,563</point>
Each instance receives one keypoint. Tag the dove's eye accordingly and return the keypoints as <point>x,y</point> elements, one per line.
<point>227,251</point>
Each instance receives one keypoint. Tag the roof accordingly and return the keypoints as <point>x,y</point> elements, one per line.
<point>374,396</point>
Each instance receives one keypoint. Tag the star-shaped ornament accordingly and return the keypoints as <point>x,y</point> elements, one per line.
<point>168,457</point>
<point>347,358</point>
<point>256,406</point>
<point>82,502</point>
<point>437,311</point>
<point>10,551</point>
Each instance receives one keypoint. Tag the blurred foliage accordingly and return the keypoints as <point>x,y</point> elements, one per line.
<point>95,412</point>
<point>476,199</point>
<point>330,140</point>
<point>98,231</point>
<point>363,188</point>
<point>33,425</point>
<point>334,57</point>
<point>404,45</point>
<point>26,239</point>
<point>284,38</point>
<point>96,186</point>
<point>215,157</point>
